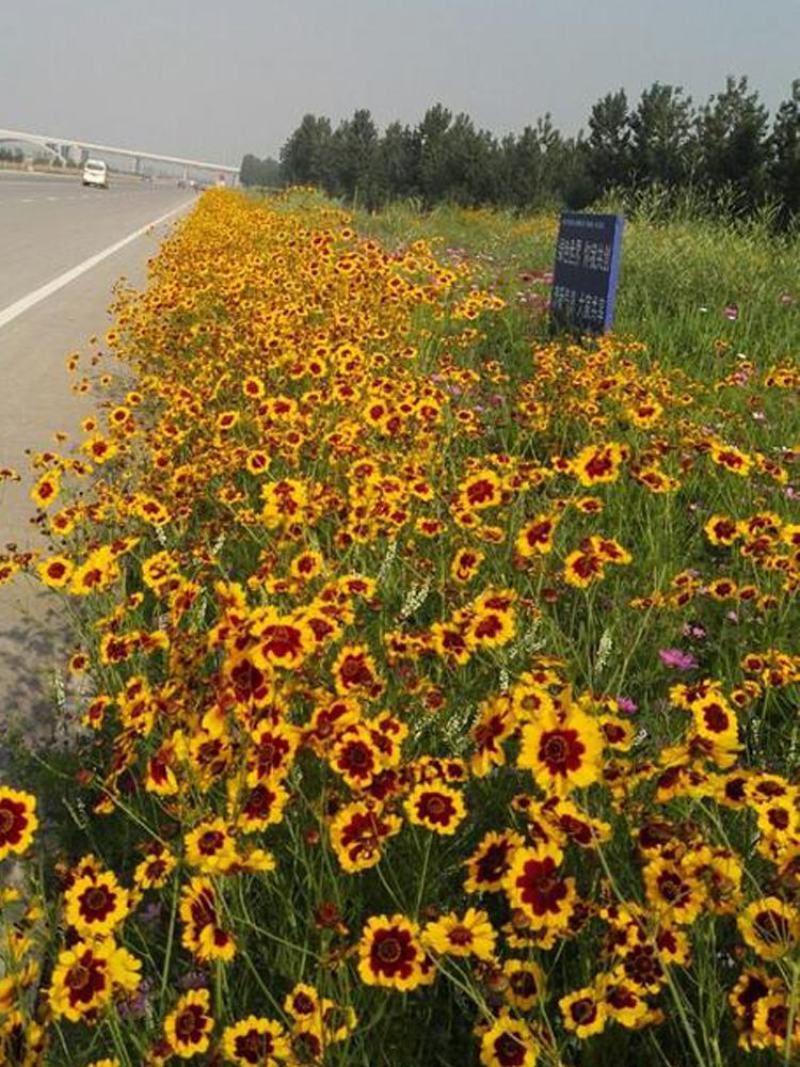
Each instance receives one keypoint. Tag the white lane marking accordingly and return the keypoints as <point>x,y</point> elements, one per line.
<point>29,301</point>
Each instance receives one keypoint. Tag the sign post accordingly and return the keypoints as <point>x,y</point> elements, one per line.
<point>586,272</point>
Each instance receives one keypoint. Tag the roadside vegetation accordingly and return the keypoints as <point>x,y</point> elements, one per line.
<point>437,677</point>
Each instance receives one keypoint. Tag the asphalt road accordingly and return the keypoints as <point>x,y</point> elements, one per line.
<point>54,291</point>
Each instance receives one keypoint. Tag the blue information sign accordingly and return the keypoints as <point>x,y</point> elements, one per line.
<point>586,272</point>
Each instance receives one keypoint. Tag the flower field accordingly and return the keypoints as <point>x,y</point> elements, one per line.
<point>439,681</point>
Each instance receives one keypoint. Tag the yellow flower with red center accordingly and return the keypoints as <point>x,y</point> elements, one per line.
<point>150,510</point>
<point>257,808</point>
<point>86,975</point>
<point>256,1041</point>
<point>356,757</point>
<point>481,490</point>
<point>489,864</point>
<point>280,640</point>
<point>563,750</point>
<point>534,885</point>
<point>671,892</point>
<point>304,1006</point>
<point>471,934</point>
<point>583,567</point>
<point>770,926</point>
<point>716,720</point>
<point>55,571</point>
<point>307,565</point>
<point>495,723</point>
<point>390,954</point>
<point>99,449</point>
<point>271,752</point>
<point>731,458</point>
<point>598,463</point>
<point>536,537</point>
<point>354,672</point>
<point>211,847</point>
<point>465,564</point>
<point>584,1012</point>
<point>439,808</point>
<point>46,489</point>
<point>96,904</point>
<point>526,983</point>
<point>509,1042</point>
<point>94,575</point>
<point>253,387</point>
<point>188,1026</point>
<point>18,821</point>
<point>357,833</point>
<point>154,870</point>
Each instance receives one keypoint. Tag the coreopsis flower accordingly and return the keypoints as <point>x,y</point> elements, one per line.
<point>536,537</point>
<point>773,1025</point>
<point>304,1005</point>
<point>439,808</point>
<point>481,490</point>
<point>526,983</point>
<point>354,671</point>
<point>357,834</point>
<point>489,864</point>
<point>390,953</point>
<point>598,463</point>
<point>731,458</point>
<point>534,885</point>
<point>624,1003</point>
<point>18,821</point>
<point>257,808</point>
<point>257,1041</point>
<point>55,571</point>
<point>671,892</point>
<point>583,1012</point>
<point>508,1042</point>
<point>471,934</point>
<point>46,489</point>
<point>495,723</point>
<point>211,847</point>
<point>722,530</point>
<point>356,756</point>
<point>271,752</point>
<point>188,1026</point>
<point>465,564</point>
<point>86,975</point>
<point>96,904</point>
<point>582,567</point>
<point>280,640</point>
<point>563,751</point>
<point>770,926</point>
<point>154,870</point>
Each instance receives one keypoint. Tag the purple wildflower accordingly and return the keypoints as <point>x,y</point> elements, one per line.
<point>678,660</point>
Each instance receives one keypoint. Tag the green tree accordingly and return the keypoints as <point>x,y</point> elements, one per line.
<point>305,158</point>
<point>354,152</point>
<point>609,142</point>
<point>733,143</point>
<point>661,136</point>
<point>433,154</point>
<point>784,168</point>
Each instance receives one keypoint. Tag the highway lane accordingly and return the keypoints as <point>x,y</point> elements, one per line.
<point>49,224</point>
<point>41,239</point>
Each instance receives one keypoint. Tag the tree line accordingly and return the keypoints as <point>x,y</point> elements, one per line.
<point>727,144</point>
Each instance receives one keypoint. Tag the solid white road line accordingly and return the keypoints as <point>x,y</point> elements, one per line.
<point>29,301</point>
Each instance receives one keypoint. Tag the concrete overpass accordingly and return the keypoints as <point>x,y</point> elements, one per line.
<point>61,147</point>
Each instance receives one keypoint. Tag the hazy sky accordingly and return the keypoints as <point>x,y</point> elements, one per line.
<point>216,78</point>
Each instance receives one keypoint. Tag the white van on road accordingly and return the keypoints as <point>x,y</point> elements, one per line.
<point>95,172</point>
